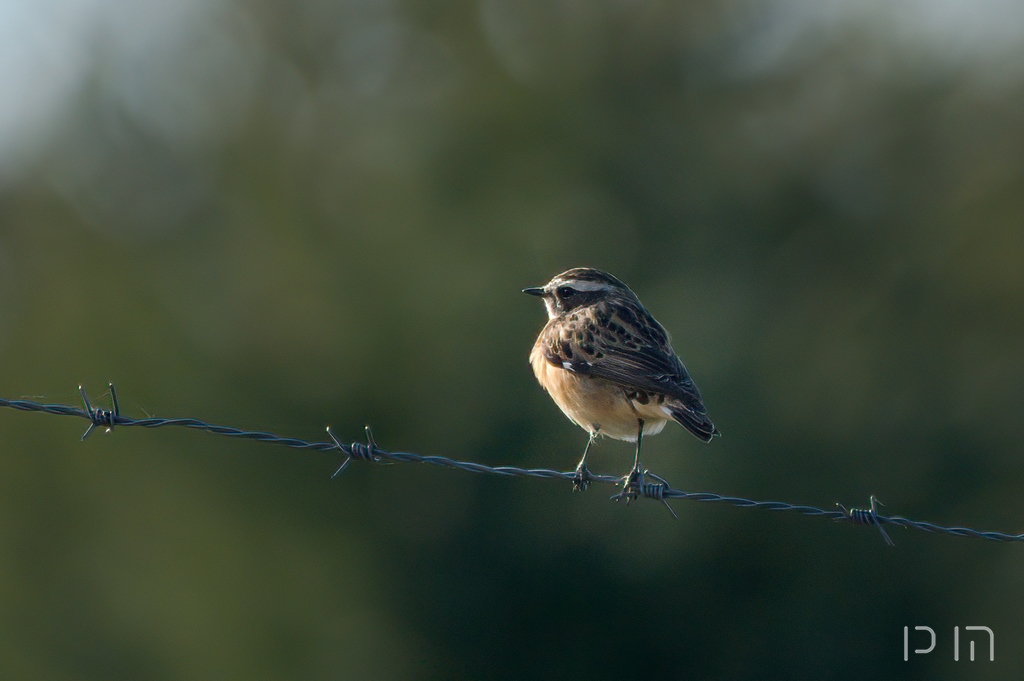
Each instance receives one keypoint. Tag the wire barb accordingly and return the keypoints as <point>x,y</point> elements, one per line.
<point>637,486</point>
<point>98,417</point>
<point>656,490</point>
<point>867,516</point>
<point>356,450</point>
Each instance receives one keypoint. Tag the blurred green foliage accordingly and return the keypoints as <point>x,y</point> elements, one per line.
<point>281,216</point>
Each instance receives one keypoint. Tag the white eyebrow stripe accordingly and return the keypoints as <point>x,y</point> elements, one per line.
<point>584,285</point>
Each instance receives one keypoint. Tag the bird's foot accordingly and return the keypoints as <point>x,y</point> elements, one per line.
<point>581,479</point>
<point>635,484</point>
<point>631,485</point>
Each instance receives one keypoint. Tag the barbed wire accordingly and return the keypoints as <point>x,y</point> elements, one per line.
<point>647,485</point>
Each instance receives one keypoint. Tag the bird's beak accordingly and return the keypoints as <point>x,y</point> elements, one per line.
<point>534,291</point>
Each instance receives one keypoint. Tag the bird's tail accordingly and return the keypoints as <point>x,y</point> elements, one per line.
<point>694,419</point>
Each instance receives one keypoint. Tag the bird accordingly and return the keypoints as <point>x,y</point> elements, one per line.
<point>609,366</point>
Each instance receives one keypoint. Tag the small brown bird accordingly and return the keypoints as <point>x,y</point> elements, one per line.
<point>609,366</point>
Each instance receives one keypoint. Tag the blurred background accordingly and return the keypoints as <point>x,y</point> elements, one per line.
<point>281,216</point>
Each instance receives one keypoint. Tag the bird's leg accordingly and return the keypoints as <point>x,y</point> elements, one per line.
<point>639,439</point>
<point>632,481</point>
<point>581,480</point>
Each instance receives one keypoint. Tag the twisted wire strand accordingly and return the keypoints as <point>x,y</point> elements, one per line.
<point>655,488</point>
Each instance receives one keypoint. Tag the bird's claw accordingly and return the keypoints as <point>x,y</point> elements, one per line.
<point>631,483</point>
<point>635,484</point>
<point>581,478</point>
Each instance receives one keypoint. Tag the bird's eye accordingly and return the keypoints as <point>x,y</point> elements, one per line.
<point>566,291</point>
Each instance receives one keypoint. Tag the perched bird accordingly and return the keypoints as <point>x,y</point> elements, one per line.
<point>609,366</point>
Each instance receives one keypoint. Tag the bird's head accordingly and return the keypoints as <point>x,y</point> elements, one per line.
<point>578,287</point>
